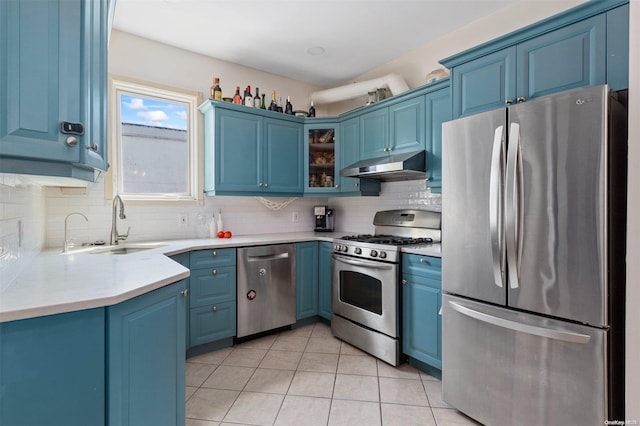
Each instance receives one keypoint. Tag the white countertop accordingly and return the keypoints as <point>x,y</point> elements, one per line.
<point>55,283</point>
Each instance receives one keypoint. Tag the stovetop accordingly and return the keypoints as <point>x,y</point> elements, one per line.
<point>383,239</point>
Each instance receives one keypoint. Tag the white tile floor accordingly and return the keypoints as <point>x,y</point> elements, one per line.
<point>308,377</point>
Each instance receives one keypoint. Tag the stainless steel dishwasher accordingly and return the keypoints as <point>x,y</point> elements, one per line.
<point>266,288</point>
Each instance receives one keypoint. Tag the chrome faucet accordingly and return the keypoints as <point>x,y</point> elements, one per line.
<point>67,243</point>
<point>115,236</point>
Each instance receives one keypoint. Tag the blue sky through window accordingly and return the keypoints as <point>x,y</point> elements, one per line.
<point>153,112</point>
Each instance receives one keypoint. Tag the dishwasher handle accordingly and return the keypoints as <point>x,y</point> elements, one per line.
<point>267,257</point>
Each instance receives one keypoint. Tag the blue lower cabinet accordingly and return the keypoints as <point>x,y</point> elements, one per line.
<point>307,279</point>
<point>183,259</point>
<point>210,286</point>
<point>146,359</point>
<point>324,279</point>
<point>212,322</point>
<point>421,301</point>
<point>52,370</point>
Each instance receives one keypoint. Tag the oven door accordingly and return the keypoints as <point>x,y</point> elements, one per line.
<point>366,292</point>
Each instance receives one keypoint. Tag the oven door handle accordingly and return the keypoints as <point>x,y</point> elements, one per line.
<point>374,265</point>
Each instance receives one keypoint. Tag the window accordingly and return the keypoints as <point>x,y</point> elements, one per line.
<point>154,143</point>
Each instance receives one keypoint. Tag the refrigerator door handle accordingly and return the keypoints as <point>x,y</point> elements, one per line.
<point>548,333</point>
<point>512,209</point>
<point>495,207</point>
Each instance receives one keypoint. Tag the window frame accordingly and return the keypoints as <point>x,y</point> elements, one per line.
<point>113,181</point>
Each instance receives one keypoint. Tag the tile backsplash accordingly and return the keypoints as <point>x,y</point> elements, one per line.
<point>355,214</point>
<point>22,225</point>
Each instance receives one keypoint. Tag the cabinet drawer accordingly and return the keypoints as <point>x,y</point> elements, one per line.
<point>212,322</point>
<point>425,266</point>
<point>212,285</point>
<point>213,257</point>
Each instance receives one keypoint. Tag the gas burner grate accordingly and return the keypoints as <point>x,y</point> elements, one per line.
<point>387,239</point>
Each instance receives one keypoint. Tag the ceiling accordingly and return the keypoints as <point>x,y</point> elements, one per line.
<point>280,37</point>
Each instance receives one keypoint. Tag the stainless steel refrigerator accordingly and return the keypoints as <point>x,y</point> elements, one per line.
<point>533,246</point>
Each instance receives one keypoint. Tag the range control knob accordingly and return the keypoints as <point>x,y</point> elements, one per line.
<point>383,255</point>
<point>345,248</point>
<point>374,253</point>
<point>336,247</point>
<point>358,250</point>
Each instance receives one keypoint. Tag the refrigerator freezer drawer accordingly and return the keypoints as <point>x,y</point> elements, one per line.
<point>503,367</point>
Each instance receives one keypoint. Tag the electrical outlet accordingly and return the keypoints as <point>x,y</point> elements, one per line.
<point>183,219</point>
<point>294,216</point>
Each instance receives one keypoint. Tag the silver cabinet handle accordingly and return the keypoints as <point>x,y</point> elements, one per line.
<point>337,186</point>
<point>495,207</point>
<point>549,333</point>
<point>390,149</point>
<point>422,261</point>
<point>72,141</point>
<point>214,272</point>
<point>508,101</point>
<point>266,185</point>
<point>184,292</point>
<point>214,309</point>
<point>404,281</point>
<point>356,184</point>
<point>214,253</point>
<point>521,99</point>
<point>93,147</point>
<point>260,184</point>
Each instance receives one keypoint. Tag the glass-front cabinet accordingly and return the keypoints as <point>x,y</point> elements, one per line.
<point>322,172</point>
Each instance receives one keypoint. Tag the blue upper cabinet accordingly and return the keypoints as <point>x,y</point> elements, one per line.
<point>251,153</point>
<point>322,157</point>
<point>584,46</point>
<point>484,83</point>
<point>406,126</point>
<point>437,111</point>
<point>374,133</point>
<point>283,157</point>
<point>618,48</point>
<point>349,147</point>
<point>53,69</point>
<point>570,57</point>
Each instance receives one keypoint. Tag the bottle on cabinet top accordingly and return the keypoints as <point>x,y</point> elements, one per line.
<point>263,105</point>
<point>216,91</point>
<point>248,99</point>
<point>273,106</point>
<point>279,104</point>
<point>256,99</point>
<point>312,110</point>
<point>237,99</point>
<point>288,109</point>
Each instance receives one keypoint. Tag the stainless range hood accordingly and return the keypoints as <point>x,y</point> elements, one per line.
<point>409,166</point>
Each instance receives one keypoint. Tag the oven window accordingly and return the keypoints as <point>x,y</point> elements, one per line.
<point>361,290</point>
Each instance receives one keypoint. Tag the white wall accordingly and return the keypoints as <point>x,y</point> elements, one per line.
<point>633,224</point>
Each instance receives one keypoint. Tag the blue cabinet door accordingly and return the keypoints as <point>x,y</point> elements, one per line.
<point>374,134</point>
<point>238,152</point>
<point>210,286</point>
<point>570,57</point>
<point>406,125</point>
<point>324,279</point>
<point>484,83</point>
<point>307,279</point>
<point>349,152</point>
<point>421,321</point>
<point>283,166</point>
<point>52,370</point>
<point>146,358</point>
<point>183,259</point>
<point>618,48</point>
<point>213,322</point>
<point>438,110</point>
<point>421,301</point>
<point>52,70</point>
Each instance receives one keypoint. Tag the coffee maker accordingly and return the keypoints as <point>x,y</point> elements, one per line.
<point>324,218</point>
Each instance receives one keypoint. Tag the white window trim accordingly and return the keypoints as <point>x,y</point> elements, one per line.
<point>117,85</point>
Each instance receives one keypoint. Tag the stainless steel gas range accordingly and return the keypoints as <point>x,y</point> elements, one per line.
<point>366,280</point>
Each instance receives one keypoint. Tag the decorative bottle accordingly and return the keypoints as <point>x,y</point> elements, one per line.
<point>312,110</point>
<point>273,106</point>
<point>279,105</point>
<point>263,105</point>
<point>256,99</point>
<point>216,91</point>
<point>248,99</point>
<point>237,99</point>
<point>288,108</point>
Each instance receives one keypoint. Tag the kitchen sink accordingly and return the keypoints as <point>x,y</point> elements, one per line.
<point>117,249</point>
